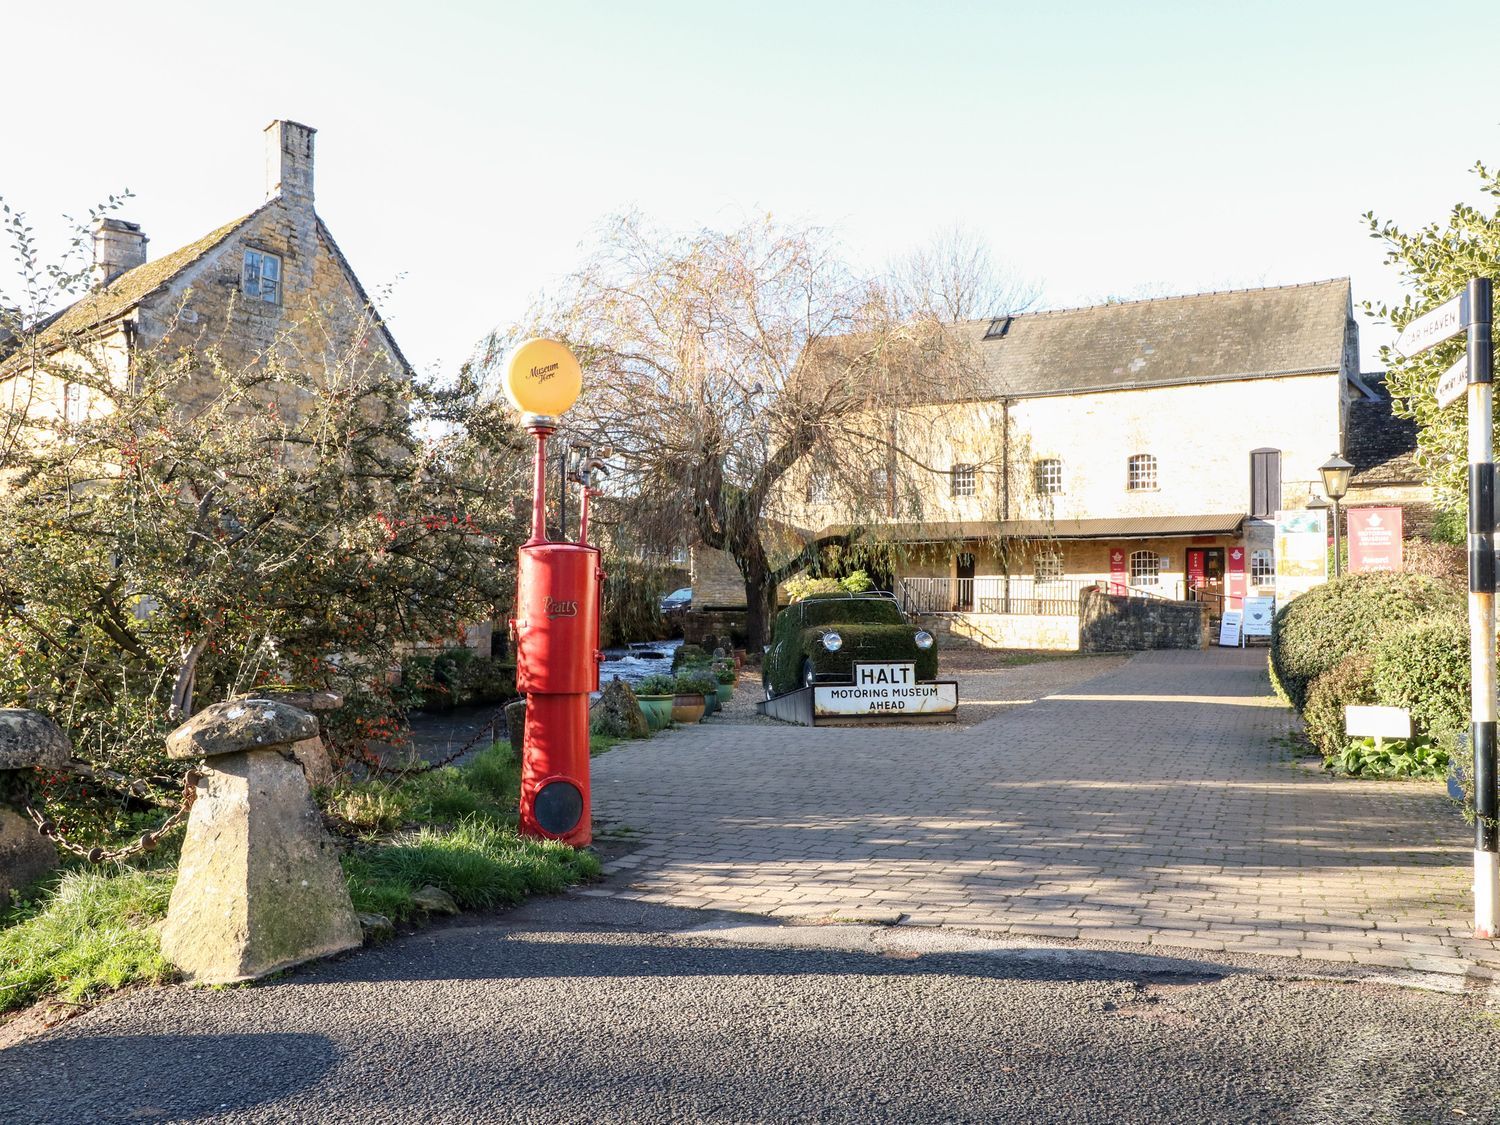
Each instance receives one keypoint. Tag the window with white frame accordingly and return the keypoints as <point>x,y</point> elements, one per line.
<point>1262,568</point>
<point>1048,566</point>
<point>819,488</point>
<point>1047,473</point>
<point>74,403</point>
<point>1140,473</point>
<point>961,480</point>
<point>1145,568</point>
<point>261,279</point>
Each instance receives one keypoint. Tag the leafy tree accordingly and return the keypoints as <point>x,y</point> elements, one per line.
<point>203,528</point>
<point>1437,261</point>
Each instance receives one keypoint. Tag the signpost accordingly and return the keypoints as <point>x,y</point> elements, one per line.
<point>1453,383</point>
<point>1472,310</point>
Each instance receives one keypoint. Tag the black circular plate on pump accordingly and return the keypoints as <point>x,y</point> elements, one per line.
<point>557,807</point>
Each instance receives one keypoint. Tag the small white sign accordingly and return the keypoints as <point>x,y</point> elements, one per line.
<point>1377,722</point>
<point>1453,383</point>
<point>1229,628</point>
<point>885,699</point>
<point>877,675</point>
<point>1446,320</point>
<point>1258,615</point>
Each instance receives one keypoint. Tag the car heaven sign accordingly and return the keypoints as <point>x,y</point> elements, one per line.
<point>885,690</point>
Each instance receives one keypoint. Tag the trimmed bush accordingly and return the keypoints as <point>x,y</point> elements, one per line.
<point>1347,683</point>
<point>1321,627</point>
<point>689,655</point>
<point>1424,666</point>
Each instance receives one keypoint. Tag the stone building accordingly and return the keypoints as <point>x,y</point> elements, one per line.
<point>271,282</point>
<point>1141,446</point>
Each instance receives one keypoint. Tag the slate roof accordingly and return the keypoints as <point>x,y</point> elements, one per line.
<point>1381,447</point>
<point>1237,334</point>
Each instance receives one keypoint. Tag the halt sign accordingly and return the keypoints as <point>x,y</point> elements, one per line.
<point>885,689</point>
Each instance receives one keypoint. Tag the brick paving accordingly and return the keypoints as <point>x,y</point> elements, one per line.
<point>1151,805</point>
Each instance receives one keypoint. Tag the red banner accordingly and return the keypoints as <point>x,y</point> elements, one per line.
<point>1195,570</point>
<point>1374,539</point>
<point>1116,570</point>
<point>1234,585</point>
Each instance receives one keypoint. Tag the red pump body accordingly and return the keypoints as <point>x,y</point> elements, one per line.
<point>557,664</point>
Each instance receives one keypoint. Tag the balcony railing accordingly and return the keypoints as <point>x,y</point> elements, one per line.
<point>1020,594</point>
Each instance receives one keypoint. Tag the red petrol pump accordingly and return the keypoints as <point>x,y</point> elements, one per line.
<point>556,622</point>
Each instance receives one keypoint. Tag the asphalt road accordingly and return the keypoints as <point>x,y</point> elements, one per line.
<point>581,1009</point>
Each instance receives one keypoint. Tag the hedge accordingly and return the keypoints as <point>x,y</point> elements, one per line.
<point>1317,630</point>
<point>1424,666</point>
<point>1347,682</point>
<point>455,677</point>
<point>862,642</point>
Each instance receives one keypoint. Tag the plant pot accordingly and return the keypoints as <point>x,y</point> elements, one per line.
<point>710,702</point>
<point>657,709</point>
<point>726,693</point>
<point>687,708</point>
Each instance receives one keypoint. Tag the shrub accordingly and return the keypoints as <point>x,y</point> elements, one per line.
<point>1410,757</point>
<point>1424,666</point>
<point>687,655</point>
<point>1347,682</point>
<point>632,602</point>
<point>699,681</point>
<point>724,671</point>
<point>657,684</point>
<point>867,643</point>
<point>1320,628</point>
<point>800,589</point>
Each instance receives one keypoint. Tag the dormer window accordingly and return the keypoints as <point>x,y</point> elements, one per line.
<point>261,279</point>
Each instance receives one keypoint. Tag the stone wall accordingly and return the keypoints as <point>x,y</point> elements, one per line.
<point>1114,623</point>
<point>1048,632</point>
<point>704,627</point>
<point>717,581</point>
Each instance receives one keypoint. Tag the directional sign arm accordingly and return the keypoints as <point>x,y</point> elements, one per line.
<point>1447,320</point>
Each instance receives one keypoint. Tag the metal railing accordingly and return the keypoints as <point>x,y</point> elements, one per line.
<point>1022,594</point>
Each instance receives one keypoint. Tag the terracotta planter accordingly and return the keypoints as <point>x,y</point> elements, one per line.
<point>687,708</point>
<point>657,709</point>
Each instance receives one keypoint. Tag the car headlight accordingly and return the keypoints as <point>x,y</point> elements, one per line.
<point>923,639</point>
<point>832,642</point>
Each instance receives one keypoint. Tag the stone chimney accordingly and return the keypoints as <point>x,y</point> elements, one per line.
<point>289,163</point>
<point>118,246</point>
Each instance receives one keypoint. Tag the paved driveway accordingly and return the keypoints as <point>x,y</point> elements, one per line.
<point>1150,805</point>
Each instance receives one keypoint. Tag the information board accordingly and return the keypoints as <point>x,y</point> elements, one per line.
<point>1229,628</point>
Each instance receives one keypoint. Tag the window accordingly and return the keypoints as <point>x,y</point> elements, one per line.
<point>262,277</point>
<point>1048,566</point>
<point>961,480</point>
<point>74,404</point>
<point>1265,482</point>
<point>1048,476</point>
<point>1145,568</point>
<point>1262,569</point>
<point>818,488</point>
<point>1141,473</point>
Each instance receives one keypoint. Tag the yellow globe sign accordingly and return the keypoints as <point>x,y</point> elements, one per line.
<point>543,378</point>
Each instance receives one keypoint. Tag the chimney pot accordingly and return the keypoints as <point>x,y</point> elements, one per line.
<point>118,246</point>
<point>289,162</point>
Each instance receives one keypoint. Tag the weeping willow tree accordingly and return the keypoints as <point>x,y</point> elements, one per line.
<point>721,366</point>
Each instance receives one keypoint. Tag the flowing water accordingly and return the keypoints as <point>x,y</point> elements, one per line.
<point>634,662</point>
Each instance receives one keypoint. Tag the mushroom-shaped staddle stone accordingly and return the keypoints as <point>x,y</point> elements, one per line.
<point>30,739</point>
<point>305,698</point>
<point>240,725</point>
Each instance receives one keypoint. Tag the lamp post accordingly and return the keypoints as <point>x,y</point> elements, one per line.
<point>556,622</point>
<point>1335,472</point>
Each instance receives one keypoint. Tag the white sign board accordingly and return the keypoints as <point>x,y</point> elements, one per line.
<point>1446,320</point>
<point>885,689</point>
<point>1453,383</point>
<point>1377,722</point>
<point>1229,628</point>
<point>1258,615</point>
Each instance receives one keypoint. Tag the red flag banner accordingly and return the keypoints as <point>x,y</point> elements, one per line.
<point>1374,539</point>
<point>1234,586</point>
<point>1116,570</point>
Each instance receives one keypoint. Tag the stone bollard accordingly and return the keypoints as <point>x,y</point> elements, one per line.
<point>259,885</point>
<point>27,740</point>
<point>515,725</point>
<point>310,753</point>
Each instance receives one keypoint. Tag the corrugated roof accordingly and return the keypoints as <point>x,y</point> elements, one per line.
<point>1238,334</point>
<point>1127,527</point>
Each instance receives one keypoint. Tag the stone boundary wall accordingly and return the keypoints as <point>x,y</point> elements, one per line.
<point>1117,623</point>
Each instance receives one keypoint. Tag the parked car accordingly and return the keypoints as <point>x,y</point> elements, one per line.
<point>677,599</point>
<point>819,639</point>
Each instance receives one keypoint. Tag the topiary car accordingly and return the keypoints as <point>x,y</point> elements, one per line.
<point>819,639</point>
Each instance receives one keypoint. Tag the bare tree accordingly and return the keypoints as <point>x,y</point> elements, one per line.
<point>954,277</point>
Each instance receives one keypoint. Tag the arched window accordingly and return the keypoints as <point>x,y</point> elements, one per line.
<point>1140,473</point>
<point>1145,568</point>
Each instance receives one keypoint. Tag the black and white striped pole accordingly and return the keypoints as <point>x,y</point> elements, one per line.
<point>1474,375</point>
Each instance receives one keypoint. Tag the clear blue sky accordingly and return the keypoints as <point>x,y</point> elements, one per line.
<point>1102,148</point>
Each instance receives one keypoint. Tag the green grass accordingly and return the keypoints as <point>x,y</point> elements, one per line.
<point>479,863</point>
<point>601,743</point>
<point>88,936</point>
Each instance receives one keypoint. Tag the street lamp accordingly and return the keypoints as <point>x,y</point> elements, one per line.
<point>1335,472</point>
<point>556,622</point>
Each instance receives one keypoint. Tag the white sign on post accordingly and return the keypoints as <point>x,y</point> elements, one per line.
<point>1377,722</point>
<point>1229,628</point>
<point>1453,383</point>
<point>1446,320</point>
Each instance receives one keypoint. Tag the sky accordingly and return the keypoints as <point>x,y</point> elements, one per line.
<point>468,151</point>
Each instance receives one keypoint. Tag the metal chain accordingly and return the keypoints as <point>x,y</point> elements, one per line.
<point>147,843</point>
